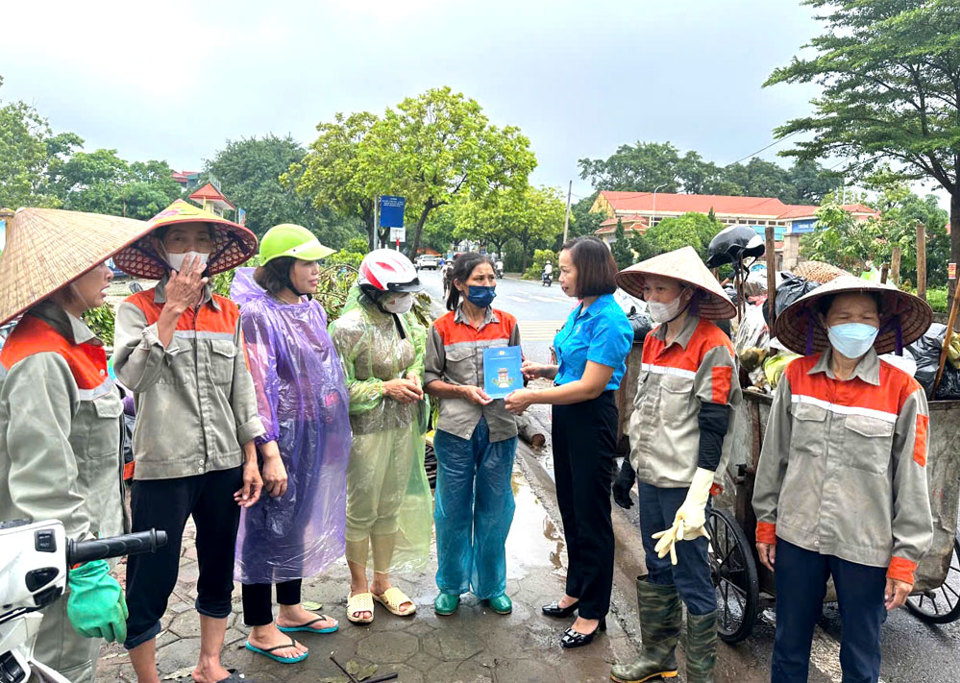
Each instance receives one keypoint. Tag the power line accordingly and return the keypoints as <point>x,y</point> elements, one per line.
<point>763,149</point>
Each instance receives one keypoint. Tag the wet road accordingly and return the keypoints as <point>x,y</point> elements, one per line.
<point>912,650</point>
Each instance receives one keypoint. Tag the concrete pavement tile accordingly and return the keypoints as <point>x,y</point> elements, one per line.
<point>584,669</point>
<point>166,637</point>
<point>420,626</point>
<point>453,644</point>
<point>423,662</point>
<point>186,625</point>
<point>180,653</point>
<point>517,670</point>
<point>388,647</point>
<point>459,672</point>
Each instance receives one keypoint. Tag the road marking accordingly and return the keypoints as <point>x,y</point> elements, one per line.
<point>539,330</point>
<point>547,299</point>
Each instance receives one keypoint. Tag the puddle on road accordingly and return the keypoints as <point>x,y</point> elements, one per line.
<point>534,540</point>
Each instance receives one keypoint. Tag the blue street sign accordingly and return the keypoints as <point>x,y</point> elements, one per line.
<point>391,211</point>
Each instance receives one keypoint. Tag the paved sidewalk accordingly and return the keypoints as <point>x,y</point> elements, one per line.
<point>475,645</point>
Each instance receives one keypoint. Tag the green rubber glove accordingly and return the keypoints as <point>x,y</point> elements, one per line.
<point>95,605</point>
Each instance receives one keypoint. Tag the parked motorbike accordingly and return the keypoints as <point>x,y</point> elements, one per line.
<point>33,574</point>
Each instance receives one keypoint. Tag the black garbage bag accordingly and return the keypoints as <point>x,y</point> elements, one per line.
<point>642,324</point>
<point>732,293</point>
<point>926,350</point>
<point>792,288</point>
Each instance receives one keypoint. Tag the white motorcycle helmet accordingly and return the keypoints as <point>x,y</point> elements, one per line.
<point>389,278</point>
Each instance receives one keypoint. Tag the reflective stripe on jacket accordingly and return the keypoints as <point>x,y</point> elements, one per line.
<point>842,470</point>
<point>195,398</point>
<point>455,356</point>
<point>675,380</point>
<point>60,427</point>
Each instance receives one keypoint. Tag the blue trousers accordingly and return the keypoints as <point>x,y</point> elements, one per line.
<point>691,575</point>
<point>801,581</point>
<point>473,511</point>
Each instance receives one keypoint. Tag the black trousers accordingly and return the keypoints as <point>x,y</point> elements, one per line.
<point>257,607</point>
<point>584,442</point>
<point>166,504</point>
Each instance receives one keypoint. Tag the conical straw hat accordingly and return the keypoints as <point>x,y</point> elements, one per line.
<point>48,248</point>
<point>233,244</point>
<point>684,265</point>
<point>901,314</point>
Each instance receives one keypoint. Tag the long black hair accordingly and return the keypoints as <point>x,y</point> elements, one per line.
<point>462,270</point>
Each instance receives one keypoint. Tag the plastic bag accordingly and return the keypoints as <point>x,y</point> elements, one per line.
<point>303,402</point>
<point>753,332</point>
<point>792,288</point>
<point>926,351</point>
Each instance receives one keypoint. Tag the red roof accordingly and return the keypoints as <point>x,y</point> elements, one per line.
<point>724,205</point>
<point>210,193</point>
<point>629,223</point>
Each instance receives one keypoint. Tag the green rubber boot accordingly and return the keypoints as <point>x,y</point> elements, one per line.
<point>660,630</point>
<point>701,648</point>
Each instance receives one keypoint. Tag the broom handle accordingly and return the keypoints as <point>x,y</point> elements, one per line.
<point>947,338</point>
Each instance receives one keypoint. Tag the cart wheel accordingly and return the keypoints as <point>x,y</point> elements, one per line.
<point>940,605</point>
<point>734,574</point>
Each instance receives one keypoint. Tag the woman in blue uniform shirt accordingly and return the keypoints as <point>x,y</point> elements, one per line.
<point>591,349</point>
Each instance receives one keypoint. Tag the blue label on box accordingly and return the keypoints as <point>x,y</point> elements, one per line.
<point>501,371</point>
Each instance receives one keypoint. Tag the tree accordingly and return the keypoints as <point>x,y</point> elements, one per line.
<point>249,171</point>
<point>636,168</point>
<point>582,220</point>
<point>691,229</point>
<point>531,216</point>
<point>333,174</point>
<point>437,146</point>
<point>890,73</point>
<point>620,248</point>
<point>27,148</point>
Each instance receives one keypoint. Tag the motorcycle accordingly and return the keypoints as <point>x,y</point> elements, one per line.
<point>34,575</point>
<point>546,279</point>
<point>498,269</point>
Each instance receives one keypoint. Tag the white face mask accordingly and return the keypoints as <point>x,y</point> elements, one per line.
<point>397,303</point>
<point>663,313</point>
<point>176,260</point>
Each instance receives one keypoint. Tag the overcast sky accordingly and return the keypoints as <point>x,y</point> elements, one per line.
<point>174,80</point>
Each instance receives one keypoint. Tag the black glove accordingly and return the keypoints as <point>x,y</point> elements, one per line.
<point>623,484</point>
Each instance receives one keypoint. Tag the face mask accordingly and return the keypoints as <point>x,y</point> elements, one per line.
<point>852,339</point>
<point>481,297</point>
<point>176,260</point>
<point>397,303</point>
<point>664,313</point>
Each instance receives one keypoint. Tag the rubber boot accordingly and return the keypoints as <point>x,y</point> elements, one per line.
<point>701,649</point>
<point>659,629</point>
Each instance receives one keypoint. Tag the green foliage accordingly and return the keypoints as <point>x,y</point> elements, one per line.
<point>102,182</point>
<point>335,282</point>
<point>691,229</point>
<point>889,75</point>
<point>622,253</point>
<point>357,245</point>
<point>101,322</point>
<point>540,257</point>
<point>653,166</point>
<point>532,217</point>
<point>431,149</point>
<point>937,298</point>
<point>249,171</point>
<point>27,149</point>
<point>582,221</point>
<point>346,258</point>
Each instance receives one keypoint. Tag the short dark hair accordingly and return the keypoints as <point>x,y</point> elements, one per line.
<point>274,276</point>
<point>463,267</point>
<point>596,267</point>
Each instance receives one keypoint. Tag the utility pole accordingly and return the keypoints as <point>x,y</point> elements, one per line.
<point>566,217</point>
<point>375,237</point>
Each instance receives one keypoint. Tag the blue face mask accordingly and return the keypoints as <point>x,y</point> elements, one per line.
<point>481,297</point>
<point>852,339</point>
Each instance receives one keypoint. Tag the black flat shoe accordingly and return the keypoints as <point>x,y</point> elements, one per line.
<point>555,610</point>
<point>572,639</point>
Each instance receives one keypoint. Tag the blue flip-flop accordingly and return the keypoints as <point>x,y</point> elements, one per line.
<point>307,628</point>
<point>268,652</point>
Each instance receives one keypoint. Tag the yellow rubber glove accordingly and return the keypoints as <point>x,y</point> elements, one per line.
<point>689,521</point>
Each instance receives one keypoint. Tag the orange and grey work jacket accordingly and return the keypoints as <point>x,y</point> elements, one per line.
<point>842,470</point>
<point>60,427</point>
<point>195,398</point>
<point>455,355</point>
<point>686,395</point>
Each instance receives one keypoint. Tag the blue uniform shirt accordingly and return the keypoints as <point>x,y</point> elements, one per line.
<point>601,333</point>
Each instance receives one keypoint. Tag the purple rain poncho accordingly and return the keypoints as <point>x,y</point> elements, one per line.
<point>303,402</point>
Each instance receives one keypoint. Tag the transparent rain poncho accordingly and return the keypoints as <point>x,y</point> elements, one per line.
<point>303,402</point>
<point>388,497</point>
